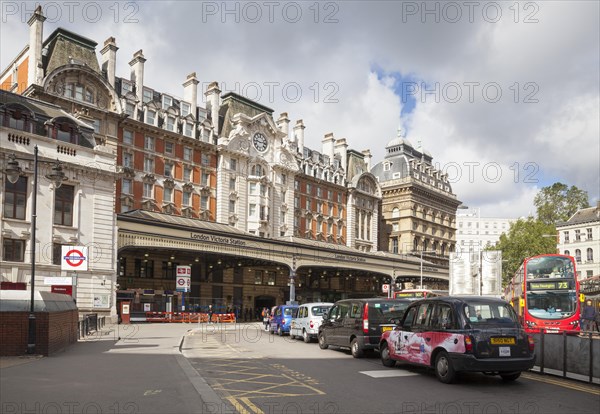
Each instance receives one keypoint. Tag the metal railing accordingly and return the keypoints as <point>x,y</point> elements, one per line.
<point>570,355</point>
<point>89,324</point>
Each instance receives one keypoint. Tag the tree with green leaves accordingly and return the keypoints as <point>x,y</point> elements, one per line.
<point>558,202</point>
<point>525,238</point>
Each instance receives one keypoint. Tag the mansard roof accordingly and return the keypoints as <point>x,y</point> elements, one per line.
<point>233,104</point>
<point>65,47</point>
<point>583,216</point>
<point>44,112</point>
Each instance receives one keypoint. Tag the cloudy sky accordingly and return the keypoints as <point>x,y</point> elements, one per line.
<point>504,95</point>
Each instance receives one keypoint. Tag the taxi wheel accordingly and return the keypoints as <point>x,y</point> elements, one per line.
<point>305,336</point>
<point>510,376</point>
<point>279,331</point>
<point>322,343</point>
<point>443,368</point>
<point>356,349</point>
<point>386,360</point>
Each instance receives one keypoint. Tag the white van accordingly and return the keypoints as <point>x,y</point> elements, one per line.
<point>306,323</point>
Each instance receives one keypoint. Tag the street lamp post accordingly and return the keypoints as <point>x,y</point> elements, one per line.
<point>293,281</point>
<point>13,171</point>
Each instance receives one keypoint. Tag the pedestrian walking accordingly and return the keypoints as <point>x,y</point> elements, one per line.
<point>210,313</point>
<point>588,316</point>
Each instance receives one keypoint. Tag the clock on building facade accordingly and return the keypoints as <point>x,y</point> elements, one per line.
<point>260,142</point>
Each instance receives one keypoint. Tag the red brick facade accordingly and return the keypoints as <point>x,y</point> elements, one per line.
<point>54,332</point>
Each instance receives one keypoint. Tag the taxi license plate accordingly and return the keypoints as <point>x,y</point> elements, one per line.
<point>502,341</point>
<point>504,351</point>
<point>386,328</point>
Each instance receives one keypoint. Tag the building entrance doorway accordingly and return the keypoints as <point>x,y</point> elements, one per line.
<point>264,301</point>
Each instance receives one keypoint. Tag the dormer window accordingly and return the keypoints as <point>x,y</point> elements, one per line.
<point>64,131</point>
<point>386,166</point>
<point>151,117</point>
<point>185,108</point>
<point>167,102</point>
<point>148,95</point>
<point>170,123</point>
<point>126,87</point>
<point>17,118</point>
<point>188,129</point>
<point>129,108</point>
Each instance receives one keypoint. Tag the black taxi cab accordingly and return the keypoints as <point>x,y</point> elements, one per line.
<point>454,334</point>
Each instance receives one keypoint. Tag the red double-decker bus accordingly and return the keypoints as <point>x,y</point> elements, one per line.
<point>545,294</point>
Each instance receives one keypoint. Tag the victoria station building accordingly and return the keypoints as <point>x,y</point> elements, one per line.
<point>153,181</point>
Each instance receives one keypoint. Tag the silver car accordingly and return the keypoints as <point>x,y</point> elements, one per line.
<point>306,323</point>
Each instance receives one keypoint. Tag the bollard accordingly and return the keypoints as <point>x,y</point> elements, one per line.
<point>591,359</point>
<point>564,334</point>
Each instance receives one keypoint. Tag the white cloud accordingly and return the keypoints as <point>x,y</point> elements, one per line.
<point>553,61</point>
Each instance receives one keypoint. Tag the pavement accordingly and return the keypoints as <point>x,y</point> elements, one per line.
<point>134,368</point>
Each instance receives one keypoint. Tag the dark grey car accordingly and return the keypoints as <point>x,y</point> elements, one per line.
<point>358,323</point>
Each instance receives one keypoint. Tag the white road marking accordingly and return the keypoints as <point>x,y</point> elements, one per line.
<point>388,373</point>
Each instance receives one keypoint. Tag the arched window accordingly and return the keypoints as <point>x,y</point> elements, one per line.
<point>79,93</point>
<point>590,255</point>
<point>578,256</point>
<point>257,170</point>
<point>395,212</point>
<point>568,253</point>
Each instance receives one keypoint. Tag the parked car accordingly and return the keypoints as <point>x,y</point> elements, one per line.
<point>306,323</point>
<point>281,318</point>
<point>454,334</point>
<point>358,323</point>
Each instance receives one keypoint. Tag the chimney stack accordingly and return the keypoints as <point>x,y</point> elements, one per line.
<point>213,93</point>
<point>109,59</point>
<point>299,135</point>
<point>328,142</point>
<point>341,148</point>
<point>36,32</point>
<point>283,123</point>
<point>368,156</point>
<point>190,91</point>
<point>137,74</point>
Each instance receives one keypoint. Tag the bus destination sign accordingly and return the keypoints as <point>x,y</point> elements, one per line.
<point>548,285</point>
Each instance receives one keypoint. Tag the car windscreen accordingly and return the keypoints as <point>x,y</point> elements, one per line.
<point>489,313</point>
<point>319,310</point>
<point>290,312</point>
<point>385,311</point>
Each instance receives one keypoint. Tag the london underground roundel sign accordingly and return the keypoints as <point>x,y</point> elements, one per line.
<point>74,258</point>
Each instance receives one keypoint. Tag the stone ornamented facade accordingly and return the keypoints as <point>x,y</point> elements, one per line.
<point>78,213</point>
<point>418,206</point>
<point>230,164</point>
